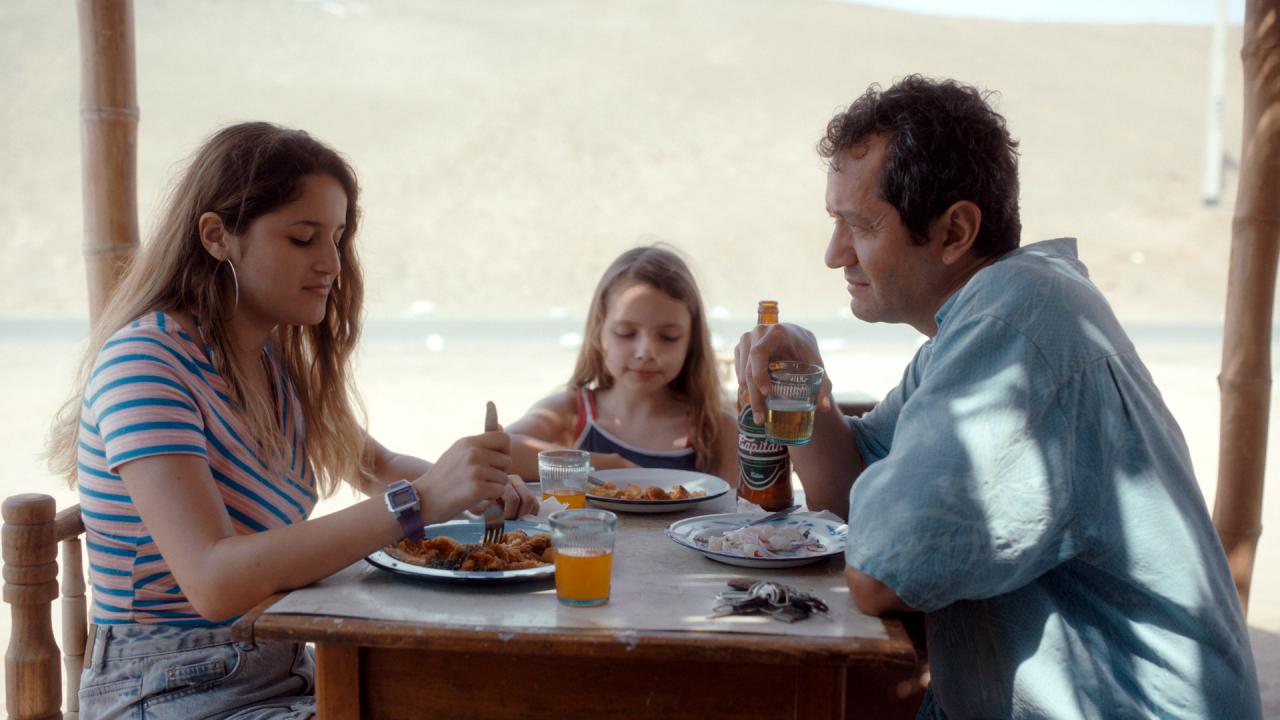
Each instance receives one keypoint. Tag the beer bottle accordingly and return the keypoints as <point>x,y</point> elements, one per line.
<point>764,467</point>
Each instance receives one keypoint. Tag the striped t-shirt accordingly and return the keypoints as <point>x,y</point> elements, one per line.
<point>153,391</point>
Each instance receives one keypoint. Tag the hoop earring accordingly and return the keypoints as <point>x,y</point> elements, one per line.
<point>235,283</point>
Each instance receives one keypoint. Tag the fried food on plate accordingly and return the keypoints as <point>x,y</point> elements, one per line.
<point>633,491</point>
<point>516,550</point>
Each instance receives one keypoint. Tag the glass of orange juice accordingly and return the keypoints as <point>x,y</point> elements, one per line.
<point>583,542</point>
<point>563,474</point>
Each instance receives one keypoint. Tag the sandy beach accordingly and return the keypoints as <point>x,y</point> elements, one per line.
<point>508,151</point>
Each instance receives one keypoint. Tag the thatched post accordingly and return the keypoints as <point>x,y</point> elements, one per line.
<point>108,144</point>
<point>1245,381</point>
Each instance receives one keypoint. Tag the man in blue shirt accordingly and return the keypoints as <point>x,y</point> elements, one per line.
<point>1024,485</point>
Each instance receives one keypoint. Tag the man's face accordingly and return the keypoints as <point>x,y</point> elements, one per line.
<point>888,276</point>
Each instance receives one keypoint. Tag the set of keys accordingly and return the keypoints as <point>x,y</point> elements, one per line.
<point>767,597</point>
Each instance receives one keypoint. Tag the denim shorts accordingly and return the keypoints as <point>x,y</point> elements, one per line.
<point>162,671</point>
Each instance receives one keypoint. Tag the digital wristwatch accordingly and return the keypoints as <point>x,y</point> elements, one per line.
<point>403,502</point>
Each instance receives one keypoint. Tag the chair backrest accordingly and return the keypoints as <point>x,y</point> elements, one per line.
<point>33,530</point>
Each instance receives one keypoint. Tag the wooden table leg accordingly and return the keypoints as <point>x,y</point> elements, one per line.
<point>337,681</point>
<point>820,691</point>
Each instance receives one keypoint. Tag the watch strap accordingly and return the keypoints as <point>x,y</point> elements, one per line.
<point>411,523</point>
<point>409,516</point>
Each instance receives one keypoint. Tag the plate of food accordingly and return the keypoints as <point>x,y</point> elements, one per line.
<point>653,490</point>
<point>452,552</point>
<point>795,540</point>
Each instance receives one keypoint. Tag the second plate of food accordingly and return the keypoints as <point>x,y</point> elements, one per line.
<point>792,541</point>
<point>652,490</point>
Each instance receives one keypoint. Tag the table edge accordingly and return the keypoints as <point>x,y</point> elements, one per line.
<point>897,648</point>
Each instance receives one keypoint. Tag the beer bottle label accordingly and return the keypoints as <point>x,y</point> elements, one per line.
<point>761,463</point>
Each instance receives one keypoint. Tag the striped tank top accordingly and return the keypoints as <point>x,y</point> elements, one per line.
<point>593,438</point>
<point>153,391</point>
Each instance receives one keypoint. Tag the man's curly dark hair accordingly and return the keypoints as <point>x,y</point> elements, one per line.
<point>945,144</point>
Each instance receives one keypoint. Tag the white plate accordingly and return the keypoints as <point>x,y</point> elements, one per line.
<point>466,532</point>
<point>713,486</point>
<point>694,532</point>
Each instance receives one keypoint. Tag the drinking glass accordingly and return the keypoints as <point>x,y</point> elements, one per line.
<point>563,474</point>
<point>793,396</point>
<point>583,543</point>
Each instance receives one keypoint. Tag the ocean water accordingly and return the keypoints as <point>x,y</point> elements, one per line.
<point>424,381</point>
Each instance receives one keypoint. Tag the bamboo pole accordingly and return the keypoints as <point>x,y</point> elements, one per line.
<point>1245,381</point>
<point>108,144</point>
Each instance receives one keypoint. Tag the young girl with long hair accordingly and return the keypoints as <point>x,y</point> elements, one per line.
<point>215,405</point>
<point>645,391</point>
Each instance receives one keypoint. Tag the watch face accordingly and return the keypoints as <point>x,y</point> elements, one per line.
<point>402,497</point>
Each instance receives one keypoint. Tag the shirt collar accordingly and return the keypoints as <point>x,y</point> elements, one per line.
<point>1057,247</point>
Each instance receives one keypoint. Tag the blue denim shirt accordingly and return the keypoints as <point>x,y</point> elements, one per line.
<point>1029,491</point>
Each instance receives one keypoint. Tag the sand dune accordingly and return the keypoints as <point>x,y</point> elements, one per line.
<point>509,150</point>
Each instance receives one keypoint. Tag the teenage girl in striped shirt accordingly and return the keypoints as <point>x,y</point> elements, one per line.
<point>215,406</point>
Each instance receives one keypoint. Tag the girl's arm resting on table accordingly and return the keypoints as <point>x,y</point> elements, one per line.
<point>224,574</point>
<point>525,449</point>
<point>829,464</point>
<point>389,466</point>
<point>549,425</point>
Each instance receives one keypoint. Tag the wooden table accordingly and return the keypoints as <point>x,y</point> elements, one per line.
<point>390,647</point>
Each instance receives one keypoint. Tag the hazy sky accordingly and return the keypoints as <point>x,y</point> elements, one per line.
<point>1171,12</point>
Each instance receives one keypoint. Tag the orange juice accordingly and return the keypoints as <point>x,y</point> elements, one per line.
<point>568,496</point>
<point>582,575</point>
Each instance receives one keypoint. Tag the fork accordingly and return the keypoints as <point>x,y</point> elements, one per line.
<point>493,523</point>
<point>703,537</point>
<point>773,516</point>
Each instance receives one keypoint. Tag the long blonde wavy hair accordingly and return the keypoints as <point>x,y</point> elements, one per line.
<point>698,384</point>
<point>242,172</point>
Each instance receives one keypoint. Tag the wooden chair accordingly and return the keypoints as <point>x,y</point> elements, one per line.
<point>32,675</point>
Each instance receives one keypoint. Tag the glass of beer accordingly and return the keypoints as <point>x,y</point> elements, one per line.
<point>563,474</point>
<point>583,543</point>
<point>793,395</point>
